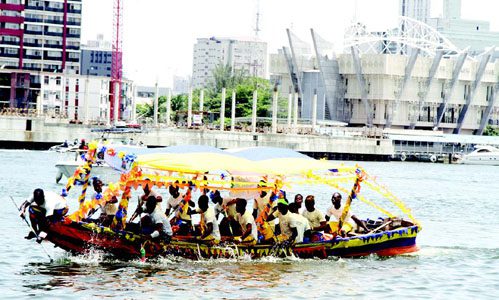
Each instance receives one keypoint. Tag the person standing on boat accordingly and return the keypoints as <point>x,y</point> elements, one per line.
<point>260,202</point>
<point>44,208</point>
<point>247,223</point>
<point>208,223</point>
<point>173,205</point>
<point>314,216</point>
<point>155,223</point>
<point>351,221</point>
<point>226,206</point>
<point>108,209</point>
<point>148,192</point>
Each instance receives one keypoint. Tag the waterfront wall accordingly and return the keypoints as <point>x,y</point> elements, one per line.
<point>18,132</point>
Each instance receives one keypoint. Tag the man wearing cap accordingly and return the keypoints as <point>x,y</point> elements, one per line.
<point>351,221</point>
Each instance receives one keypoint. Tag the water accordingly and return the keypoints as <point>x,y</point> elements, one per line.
<point>459,257</point>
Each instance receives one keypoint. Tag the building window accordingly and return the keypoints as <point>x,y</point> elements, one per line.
<point>58,80</point>
<point>46,80</point>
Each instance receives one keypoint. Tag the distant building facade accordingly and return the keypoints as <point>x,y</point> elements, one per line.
<point>96,58</point>
<point>146,94</point>
<point>36,36</point>
<point>464,33</point>
<point>425,87</point>
<point>181,85</point>
<point>249,55</point>
<point>415,9</point>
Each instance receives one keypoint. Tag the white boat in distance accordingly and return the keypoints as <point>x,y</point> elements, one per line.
<point>101,169</point>
<point>483,155</point>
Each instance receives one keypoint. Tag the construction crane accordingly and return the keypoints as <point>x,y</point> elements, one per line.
<point>115,99</point>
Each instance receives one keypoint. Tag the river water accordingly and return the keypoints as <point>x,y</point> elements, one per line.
<point>459,257</point>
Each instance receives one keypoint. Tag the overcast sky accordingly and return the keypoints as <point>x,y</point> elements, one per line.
<point>159,34</point>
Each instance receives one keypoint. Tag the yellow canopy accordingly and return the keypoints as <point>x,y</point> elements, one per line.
<point>205,162</point>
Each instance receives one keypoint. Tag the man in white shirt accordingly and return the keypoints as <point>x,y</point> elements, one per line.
<point>208,224</point>
<point>299,222</point>
<point>314,216</point>
<point>226,206</point>
<point>351,221</point>
<point>44,208</point>
<point>175,205</point>
<point>247,222</point>
<point>155,222</point>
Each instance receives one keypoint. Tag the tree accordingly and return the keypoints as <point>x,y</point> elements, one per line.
<point>224,76</point>
<point>491,131</point>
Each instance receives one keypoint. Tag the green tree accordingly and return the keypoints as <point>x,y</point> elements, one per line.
<point>491,131</point>
<point>224,76</point>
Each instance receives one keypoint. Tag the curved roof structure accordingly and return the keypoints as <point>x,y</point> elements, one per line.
<point>408,34</point>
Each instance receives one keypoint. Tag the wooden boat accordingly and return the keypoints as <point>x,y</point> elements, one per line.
<point>241,172</point>
<point>80,237</point>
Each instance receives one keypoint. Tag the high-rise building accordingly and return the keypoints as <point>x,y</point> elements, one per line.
<point>40,35</point>
<point>181,84</point>
<point>249,55</point>
<point>464,33</point>
<point>96,57</point>
<point>415,9</point>
<point>36,36</point>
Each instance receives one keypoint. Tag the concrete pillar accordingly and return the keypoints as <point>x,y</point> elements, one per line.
<point>108,112</point>
<point>253,112</point>
<point>314,111</point>
<point>87,99</point>
<point>39,107</point>
<point>168,107</point>
<point>295,111</point>
<point>290,108</point>
<point>222,110</point>
<point>116,101</point>
<point>274,111</point>
<point>155,105</point>
<point>134,104</point>
<point>201,100</point>
<point>233,112</point>
<point>189,109</point>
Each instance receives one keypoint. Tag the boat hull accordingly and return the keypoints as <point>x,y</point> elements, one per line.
<point>82,237</point>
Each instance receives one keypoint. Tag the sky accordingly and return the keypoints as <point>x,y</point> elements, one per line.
<point>159,35</point>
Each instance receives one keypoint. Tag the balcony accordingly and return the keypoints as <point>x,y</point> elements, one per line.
<point>15,43</point>
<point>35,32</point>
<point>73,23</point>
<point>52,33</point>
<point>73,47</point>
<point>34,20</point>
<point>47,57</point>
<point>14,7</point>
<point>32,45</point>
<point>9,54</point>
<point>54,9</point>
<point>33,7</point>
<point>57,22</point>
<point>53,46</point>
<point>32,56</point>
<point>11,19</point>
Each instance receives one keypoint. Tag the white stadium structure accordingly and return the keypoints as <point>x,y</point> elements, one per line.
<point>407,77</point>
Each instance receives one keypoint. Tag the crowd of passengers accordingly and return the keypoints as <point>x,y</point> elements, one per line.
<point>298,221</point>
